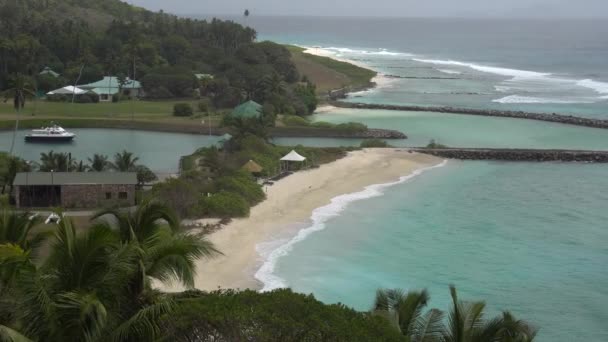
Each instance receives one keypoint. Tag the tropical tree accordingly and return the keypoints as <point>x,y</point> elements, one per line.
<point>405,312</point>
<point>78,293</point>
<point>56,162</point>
<point>20,88</point>
<point>99,163</point>
<point>13,166</point>
<point>466,323</point>
<point>124,161</point>
<point>166,252</point>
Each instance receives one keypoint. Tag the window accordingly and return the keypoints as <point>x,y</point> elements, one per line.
<point>123,195</point>
<point>108,195</point>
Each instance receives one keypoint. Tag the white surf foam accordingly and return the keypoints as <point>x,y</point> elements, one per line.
<point>532,100</point>
<point>599,87</point>
<point>487,69</point>
<point>377,52</point>
<point>451,72</point>
<point>319,217</point>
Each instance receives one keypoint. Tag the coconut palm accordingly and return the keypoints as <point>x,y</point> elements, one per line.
<point>57,162</point>
<point>405,312</point>
<point>99,163</point>
<point>124,161</point>
<point>16,228</point>
<point>467,324</point>
<point>20,88</point>
<point>167,253</point>
<point>79,293</point>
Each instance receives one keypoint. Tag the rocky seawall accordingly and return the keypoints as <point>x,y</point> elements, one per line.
<point>306,132</point>
<point>521,155</point>
<point>558,118</point>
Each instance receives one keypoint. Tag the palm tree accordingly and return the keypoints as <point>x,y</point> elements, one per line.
<point>167,253</point>
<point>404,311</point>
<point>14,165</point>
<point>466,324</point>
<point>124,161</point>
<point>78,293</point>
<point>20,88</point>
<point>99,163</point>
<point>16,229</point>
<point>57,162</point>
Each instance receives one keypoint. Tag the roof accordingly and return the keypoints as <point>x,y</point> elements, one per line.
<point>75,178</point>
<point>248,110</point>
<point>106,91</point>
<point>49,71</point>
<point>252,167</point>
<point>293,156</point>
<point>68,90</point>
<point>112,82</point>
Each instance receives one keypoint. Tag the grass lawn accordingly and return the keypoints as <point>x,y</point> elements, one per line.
<point>41,112</point>
<point>329,74</point>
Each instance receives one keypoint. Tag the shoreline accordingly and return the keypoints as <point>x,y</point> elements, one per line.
<point>290,203</point>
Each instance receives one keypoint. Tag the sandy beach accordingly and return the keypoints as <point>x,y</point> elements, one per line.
<point>292,200</point>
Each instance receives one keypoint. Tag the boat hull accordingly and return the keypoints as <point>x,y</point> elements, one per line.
<point>30,138</point>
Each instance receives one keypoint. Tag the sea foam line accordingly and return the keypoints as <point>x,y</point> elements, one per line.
<point>319,217</point>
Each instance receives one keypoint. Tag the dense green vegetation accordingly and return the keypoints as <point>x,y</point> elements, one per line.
<point>163,51</point>
<point>374,143</point>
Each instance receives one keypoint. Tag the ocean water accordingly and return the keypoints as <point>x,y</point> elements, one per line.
<point>532,65</point>
<point>530,238</point>
<point>525,237</point>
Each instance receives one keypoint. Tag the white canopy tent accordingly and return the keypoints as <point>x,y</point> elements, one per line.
<point>68,90</point>
<point>292,156</point>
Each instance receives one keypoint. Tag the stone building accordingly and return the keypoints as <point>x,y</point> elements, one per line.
<point>74,190</point>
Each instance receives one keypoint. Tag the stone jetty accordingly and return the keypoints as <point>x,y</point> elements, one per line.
<point>558,118</point>
<point>518,155</point>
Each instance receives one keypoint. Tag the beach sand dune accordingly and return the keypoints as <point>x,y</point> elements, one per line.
<point>291,201</point>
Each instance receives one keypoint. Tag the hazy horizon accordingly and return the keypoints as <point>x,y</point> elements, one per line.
<point>541,9</point>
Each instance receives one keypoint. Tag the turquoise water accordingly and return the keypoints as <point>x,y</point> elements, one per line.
<point>161,152</point>
<point>530,238</point>
<point>525,237</point>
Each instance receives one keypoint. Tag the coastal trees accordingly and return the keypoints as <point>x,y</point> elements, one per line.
<point>95,285</point>
<point>99,163</point>
<point>166,251</point>
<point>124,161</point>
<point>465,321</point>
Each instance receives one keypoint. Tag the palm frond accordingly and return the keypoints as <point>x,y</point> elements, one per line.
<point>10,335</point>
<point>428,328</point>
<point>82,314</point>
<point>143,325</point>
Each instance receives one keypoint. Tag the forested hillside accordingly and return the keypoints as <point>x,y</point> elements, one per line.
<point>84,40</point>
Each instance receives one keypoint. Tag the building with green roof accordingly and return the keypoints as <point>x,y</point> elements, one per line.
<point>110,85</point>
<point>248,110</point>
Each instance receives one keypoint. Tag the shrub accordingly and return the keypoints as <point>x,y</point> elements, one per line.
<point>280,315</point>
<point>223,205</point>
<point>115,98</point>
<point>352,126</point>
<point>322,124</point>
<point>4,201</point>
<point>182,109</point>
<point>293,120</point>
<point>434,144</point>
<point>374,143</point>
<point>244,185</point>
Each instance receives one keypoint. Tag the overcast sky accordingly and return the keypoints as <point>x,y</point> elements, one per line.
<point>399,8</point>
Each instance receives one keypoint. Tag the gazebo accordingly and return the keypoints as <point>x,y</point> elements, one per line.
<point>291,157</point>
<point>252,167</point>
